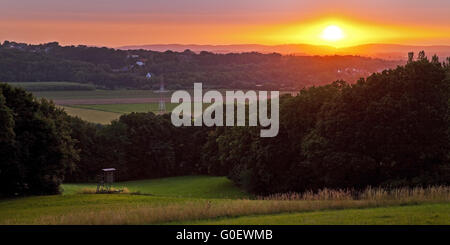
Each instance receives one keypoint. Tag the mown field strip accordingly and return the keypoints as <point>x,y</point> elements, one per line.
<point>424,214</point>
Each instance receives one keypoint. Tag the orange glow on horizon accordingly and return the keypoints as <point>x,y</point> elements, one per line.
<point>354,33</point>
<point>119,33</point>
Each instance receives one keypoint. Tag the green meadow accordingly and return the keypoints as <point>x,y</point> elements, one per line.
<point>184,186</point>
<point>215,200</point>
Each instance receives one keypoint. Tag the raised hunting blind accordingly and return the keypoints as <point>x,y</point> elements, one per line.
<point>105,180</point>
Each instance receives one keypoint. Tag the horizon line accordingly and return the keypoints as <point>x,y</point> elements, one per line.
<point>230,44</point>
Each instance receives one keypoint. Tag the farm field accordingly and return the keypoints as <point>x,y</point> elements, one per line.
<point>105,113</point>
<point>126,108</point>
<point>211,200</point>
<point>103,106</point>
<point>112,94</point>
<point>94,116</point>
<point>96,94</point>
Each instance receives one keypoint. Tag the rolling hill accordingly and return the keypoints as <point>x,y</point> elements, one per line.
<point>382,51</point>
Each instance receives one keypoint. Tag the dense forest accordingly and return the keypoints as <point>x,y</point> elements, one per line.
<point>111,68</point>
<point>390,129</point>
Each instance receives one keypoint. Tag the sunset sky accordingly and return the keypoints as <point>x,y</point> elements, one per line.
<point>116,22</point>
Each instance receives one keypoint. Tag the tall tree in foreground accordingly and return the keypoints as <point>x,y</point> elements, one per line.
<point>36,147</point>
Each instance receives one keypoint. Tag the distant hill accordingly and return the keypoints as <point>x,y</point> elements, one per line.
<point>394,51</point>
<point>383,51</point>
<point>145,69</point>
<point>298,49</point>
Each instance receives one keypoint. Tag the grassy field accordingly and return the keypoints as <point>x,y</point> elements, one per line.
<point>185,186</point>
<point>210,200</point>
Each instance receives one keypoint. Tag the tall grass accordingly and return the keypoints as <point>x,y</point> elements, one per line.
<point>379,194</point>
<point>291,202</point>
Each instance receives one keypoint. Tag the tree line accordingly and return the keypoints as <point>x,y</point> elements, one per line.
<point>390,129</point>
<point>111,68</point>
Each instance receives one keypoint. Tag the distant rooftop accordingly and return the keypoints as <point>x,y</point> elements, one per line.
<point>108,169</point>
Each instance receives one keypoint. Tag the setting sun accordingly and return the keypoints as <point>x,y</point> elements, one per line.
<point>332,33</point>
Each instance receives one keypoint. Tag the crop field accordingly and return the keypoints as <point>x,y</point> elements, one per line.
<point>103,106</point>
<point>215,200</point>
<point>94,116</point>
